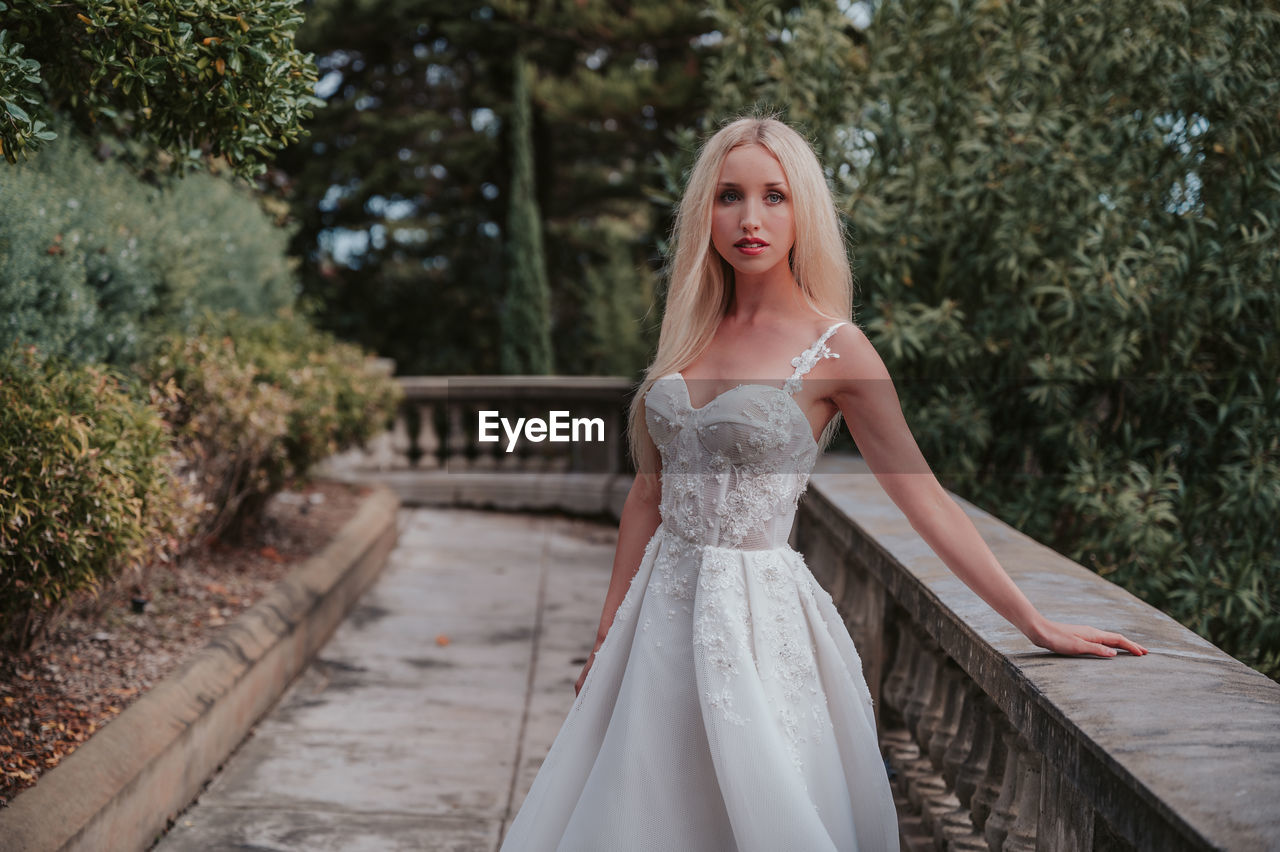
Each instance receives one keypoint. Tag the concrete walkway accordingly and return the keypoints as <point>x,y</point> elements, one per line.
<point>422,722</point>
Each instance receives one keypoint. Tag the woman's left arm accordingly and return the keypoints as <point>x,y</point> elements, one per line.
<point>864,391</point>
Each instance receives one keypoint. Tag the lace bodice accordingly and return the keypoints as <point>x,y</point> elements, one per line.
<point>734,469</point>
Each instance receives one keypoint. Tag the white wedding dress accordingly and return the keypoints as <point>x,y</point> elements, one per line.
<point>726,708</point>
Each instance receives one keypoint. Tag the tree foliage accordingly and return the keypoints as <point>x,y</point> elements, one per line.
<point>219,77</point>
<point>406,249</point>
<point>1065,220</point>
<point>525,340</point>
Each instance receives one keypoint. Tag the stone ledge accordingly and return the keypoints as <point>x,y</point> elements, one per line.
<point>575,493</point>
<point>119,789</point>
<point>1174,750</point>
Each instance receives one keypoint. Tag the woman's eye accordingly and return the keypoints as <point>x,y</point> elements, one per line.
<point>776,197</point>
<point>728,195</point>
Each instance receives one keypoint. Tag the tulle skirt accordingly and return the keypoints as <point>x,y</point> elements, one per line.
<point>725,710</point>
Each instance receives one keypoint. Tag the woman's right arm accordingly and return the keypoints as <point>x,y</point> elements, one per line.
<point>639,520</point>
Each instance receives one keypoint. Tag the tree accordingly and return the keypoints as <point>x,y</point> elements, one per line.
<point>403,190</point>
<point>1066,238</point>
<point>219,77</point>
<point>526,320</point>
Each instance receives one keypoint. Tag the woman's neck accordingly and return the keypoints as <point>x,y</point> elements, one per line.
<point>777,296</point>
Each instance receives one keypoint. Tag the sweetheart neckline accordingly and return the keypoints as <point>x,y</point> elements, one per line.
<point>699,409</point>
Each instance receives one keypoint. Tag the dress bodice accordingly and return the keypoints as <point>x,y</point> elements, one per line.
<point>733,470</point>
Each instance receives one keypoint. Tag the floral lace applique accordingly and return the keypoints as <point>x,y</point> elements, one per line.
<point>669,579</point>
<point>805,361</point>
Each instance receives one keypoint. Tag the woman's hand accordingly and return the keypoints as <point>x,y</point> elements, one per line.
<point>1075,639</point>
<point>582,678</point>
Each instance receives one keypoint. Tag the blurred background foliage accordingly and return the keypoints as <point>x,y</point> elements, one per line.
<point>1061,217</point>
<point>1063,222</point>
<point>93,258</point>
<point>403,187</point>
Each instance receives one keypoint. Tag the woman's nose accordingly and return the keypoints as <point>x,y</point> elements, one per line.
<point>750,217</point>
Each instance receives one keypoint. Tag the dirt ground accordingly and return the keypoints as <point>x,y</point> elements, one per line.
<point>105,654</point>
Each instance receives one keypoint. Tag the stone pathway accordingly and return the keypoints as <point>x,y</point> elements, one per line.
<point>422,722</point>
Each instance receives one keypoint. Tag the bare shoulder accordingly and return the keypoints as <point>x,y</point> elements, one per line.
<point>856,372</point>
<point>858,358</point>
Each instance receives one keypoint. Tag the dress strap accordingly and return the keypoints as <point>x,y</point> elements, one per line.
<point>805,361</point>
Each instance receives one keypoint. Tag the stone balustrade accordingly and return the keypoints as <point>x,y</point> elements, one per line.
<point>438,425</point>
<point>993,743</point>
<point>998,744</point>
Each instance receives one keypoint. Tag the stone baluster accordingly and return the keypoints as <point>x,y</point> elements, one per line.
<point>613,437</point>
<point>900,674</point>
<point>486,456</point>
<point>456,440</point>
<point>954,829</point>
<point>943,720</point>
<point>920,690</point>
<point>933,731</point>
<point>926,791</point>
<point>862,605</point>
<point>593,456</point>
<point>988,790</point>
<point>895,740</point>
<point>1004,809</point>
<point>428,437</point>
<point>1026,806</point>
<point>399,439</point>
<point>966,760</point>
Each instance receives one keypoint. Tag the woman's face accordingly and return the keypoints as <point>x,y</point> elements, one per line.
<point>752,226</point>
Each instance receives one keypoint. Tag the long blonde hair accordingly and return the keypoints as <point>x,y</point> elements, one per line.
<point>701,282</point>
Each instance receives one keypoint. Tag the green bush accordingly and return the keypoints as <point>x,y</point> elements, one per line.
<point>1065,221</point>
<point>85,488</point>
<point>94,260</point>
<point>256,402</point>
<point>222,73</point>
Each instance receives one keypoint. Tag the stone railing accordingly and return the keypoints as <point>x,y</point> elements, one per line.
<point>438,425</point>
<point>998,744</point>
<point>433,455</point>
<point>994,743</point>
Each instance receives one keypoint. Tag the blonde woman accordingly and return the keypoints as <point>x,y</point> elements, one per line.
<point>724,706</point>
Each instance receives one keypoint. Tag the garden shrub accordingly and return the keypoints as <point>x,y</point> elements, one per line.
<point>95,260</point>
<point>255,402</point>
<point>86,491</point>
<point>218,73</point>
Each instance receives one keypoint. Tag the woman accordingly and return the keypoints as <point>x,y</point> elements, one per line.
<point>724,706</point>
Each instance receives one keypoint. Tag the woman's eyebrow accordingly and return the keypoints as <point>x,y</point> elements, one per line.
<point>732,185</point>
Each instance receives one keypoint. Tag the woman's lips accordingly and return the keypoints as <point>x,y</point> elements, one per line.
<point>751,247</point>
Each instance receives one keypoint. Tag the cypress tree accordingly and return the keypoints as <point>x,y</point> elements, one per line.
<point>525,317</point>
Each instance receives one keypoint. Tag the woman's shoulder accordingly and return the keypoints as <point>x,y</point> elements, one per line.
<point>855,357</point>
<point>828,328</point>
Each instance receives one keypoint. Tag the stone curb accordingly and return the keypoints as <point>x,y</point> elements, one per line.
<point>119,790</point>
